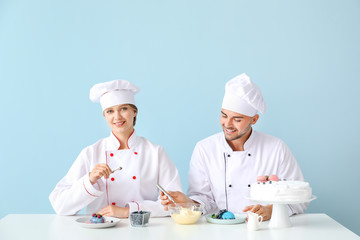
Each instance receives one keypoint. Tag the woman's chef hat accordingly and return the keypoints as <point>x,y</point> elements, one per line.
<point>243,96</point>
<point>113,93</point>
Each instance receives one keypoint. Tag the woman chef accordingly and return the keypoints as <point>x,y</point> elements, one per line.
<point>92,182</point>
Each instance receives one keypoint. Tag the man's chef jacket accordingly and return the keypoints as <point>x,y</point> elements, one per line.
<point>143,166</point>
<point>219,177</point>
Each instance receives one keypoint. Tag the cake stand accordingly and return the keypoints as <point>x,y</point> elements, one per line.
<point>279,216</point>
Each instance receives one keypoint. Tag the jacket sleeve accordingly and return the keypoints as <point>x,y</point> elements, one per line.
<point>290,170</point>
<point>74,191</point>
<point>199,185</point>
<point>168,178</point>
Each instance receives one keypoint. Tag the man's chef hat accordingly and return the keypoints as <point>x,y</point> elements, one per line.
<point>243,96</point>
<point>113,93</point>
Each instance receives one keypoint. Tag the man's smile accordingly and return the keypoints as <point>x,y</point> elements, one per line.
<point>229,130</point>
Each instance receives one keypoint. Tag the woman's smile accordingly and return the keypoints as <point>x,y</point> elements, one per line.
<point>119,124</point>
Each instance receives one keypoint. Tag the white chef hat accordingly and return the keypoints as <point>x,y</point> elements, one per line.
<point>113,93</point>
<point>243,96</point>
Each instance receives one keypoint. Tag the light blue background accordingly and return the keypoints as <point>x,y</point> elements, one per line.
<point>304,55</point>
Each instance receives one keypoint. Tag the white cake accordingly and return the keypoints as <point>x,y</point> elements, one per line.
<point>280,191</point>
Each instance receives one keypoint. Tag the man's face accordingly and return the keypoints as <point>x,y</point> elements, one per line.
<point>236,125</point>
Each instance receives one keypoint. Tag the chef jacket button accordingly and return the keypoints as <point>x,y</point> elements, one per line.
<point>111,154</point>
<point>229,155</point>
<point>249,154</point>
<point>113,203</point>
<point>112,179</point>
<point>135,153</point>
<point>134,177</point>
<point>230,185</point>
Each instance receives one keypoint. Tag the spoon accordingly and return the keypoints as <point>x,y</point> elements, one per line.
<point>119,168</point>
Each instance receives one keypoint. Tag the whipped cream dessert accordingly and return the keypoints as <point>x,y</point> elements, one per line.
<point>186,216</point>
<point>281,190</point>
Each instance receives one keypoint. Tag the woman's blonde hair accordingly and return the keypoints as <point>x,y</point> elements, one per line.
<point>135,109</point>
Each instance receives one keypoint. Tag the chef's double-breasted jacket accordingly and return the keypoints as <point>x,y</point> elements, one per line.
<point>219,177</point>
<point>144,165</point>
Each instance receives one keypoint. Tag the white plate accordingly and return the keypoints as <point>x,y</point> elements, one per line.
<point>239,218</point>
<point>85,222</point>
<point>284,202</point>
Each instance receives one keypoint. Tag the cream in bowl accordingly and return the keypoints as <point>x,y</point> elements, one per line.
<point>185,214</point>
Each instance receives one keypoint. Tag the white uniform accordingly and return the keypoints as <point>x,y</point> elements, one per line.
<point>143,166</point>
<point>219,177</point>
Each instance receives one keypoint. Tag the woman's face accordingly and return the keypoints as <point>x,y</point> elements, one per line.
<point>120,119</point>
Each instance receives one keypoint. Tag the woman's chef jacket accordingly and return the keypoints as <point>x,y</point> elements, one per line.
<point>143,166</point>
<point>219,178</point>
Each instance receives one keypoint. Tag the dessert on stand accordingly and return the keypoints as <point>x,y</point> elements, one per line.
<point>280,193</point>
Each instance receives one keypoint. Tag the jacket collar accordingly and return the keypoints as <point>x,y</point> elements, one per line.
<point>250,140</point>
<point>114,142</point>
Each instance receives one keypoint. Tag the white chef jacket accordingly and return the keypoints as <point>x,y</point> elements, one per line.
<point>219,177</point>
<point>143,166</point>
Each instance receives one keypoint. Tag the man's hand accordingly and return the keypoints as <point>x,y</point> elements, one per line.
<point>264,211</point>
<point>178,197</point>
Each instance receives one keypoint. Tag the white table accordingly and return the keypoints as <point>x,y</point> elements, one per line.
<point>51,226</point>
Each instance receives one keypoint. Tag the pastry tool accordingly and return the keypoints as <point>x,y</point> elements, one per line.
<point>116,169</point>
<point>164,191</point>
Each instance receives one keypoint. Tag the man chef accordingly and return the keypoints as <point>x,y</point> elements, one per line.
<point>223,165</point>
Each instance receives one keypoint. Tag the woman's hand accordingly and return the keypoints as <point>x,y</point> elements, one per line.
<point>99,171</point>
<point>178,197</point>
<point>115,211</point>
<point>264,211</point>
